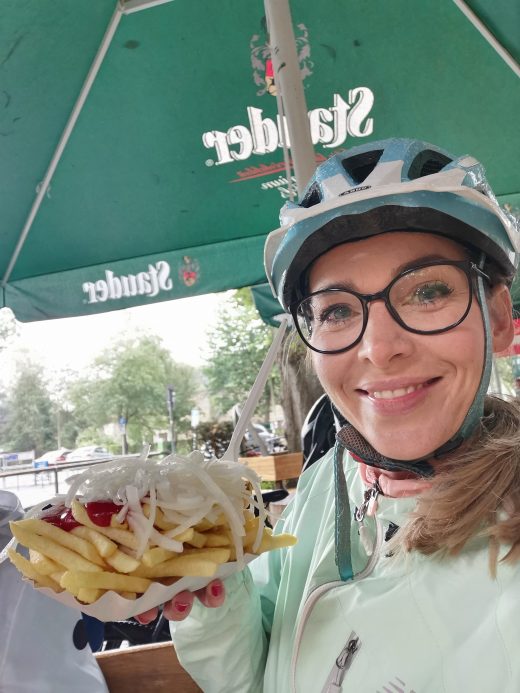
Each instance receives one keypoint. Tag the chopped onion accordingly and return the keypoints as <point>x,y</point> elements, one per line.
<point>186,489</point>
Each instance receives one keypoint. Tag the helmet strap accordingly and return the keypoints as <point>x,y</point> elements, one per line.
<point>342,517</point>
<point>476,410</point>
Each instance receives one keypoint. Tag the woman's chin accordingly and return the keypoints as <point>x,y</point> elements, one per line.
<point>407,452</point>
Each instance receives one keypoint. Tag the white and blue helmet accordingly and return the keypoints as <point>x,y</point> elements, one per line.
<point>389,185</point>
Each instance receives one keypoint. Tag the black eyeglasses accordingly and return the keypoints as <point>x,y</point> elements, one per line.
<point>427,299</point>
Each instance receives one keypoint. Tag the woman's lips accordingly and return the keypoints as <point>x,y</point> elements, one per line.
<point>397,398</point>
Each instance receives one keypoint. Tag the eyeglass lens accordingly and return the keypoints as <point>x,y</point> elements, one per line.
<point>427,299</point>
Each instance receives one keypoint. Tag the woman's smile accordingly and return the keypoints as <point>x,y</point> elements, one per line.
<point>397,398</point>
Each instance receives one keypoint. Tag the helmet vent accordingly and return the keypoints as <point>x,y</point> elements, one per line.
<point>312,197</point>
<point>427,163</point>
<point>360,166</point>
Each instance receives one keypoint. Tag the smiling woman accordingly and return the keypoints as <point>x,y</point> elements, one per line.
<point>396,265</point>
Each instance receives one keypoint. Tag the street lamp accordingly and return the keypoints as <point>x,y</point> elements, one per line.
<point>122,430</point>
<point>195,419</point>
<point>170,400</point>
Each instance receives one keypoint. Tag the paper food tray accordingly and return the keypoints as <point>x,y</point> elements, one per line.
<point>112,607</point>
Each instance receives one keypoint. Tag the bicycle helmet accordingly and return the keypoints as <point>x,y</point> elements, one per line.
<point>394,185</point>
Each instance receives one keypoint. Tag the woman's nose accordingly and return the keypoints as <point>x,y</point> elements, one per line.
<point>384,339</point>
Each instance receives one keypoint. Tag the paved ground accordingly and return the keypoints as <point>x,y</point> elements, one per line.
<point>34,488</point>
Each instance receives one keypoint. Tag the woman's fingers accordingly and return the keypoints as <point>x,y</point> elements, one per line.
<point>147,616</point>
<point>179,607</point>
<point>213,595</point>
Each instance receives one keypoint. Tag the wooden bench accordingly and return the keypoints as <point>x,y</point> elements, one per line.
<point>151,668</point>
<point>278,468</point>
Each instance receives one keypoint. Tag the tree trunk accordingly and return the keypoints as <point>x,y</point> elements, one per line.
<point>124,444</point>
<point>300,389</point>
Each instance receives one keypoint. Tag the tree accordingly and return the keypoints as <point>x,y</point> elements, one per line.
<point>300,387</point>
<point>237,347</point>
<point>8,327</point>
<point>129,380</point>
<point>29,420</point>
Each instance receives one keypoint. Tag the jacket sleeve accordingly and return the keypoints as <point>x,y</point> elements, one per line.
<point>224,649</point>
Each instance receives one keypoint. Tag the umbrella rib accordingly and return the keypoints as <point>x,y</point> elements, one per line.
<point>490,38</point>
<point>249,407</point>
<point>69,127</point>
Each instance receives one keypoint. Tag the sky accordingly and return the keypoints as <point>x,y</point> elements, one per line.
<point>72,343</point>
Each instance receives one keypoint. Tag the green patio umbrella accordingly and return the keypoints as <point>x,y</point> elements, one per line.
<point>170,172</point>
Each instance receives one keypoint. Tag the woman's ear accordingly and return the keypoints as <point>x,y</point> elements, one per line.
<point>501,317</point>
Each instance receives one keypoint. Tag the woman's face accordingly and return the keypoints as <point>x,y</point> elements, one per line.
<point>406,393</point>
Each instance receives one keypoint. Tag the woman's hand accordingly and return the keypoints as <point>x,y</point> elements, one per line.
<point>212,596</point>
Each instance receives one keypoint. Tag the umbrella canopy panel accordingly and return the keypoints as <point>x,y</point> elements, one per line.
<point>174,173</point>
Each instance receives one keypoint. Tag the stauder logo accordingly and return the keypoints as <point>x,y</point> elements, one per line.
<point>114,287</point>
<point>329,127</point>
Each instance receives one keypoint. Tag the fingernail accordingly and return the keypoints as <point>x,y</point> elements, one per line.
<point>216,589</point>
<point>143,621</point>
<point>181,606</point>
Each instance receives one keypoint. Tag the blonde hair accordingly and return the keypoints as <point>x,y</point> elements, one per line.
<point>476,493</point>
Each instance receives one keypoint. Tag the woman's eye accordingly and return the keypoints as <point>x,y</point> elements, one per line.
<point>431,292</point>
<point>337,313</point>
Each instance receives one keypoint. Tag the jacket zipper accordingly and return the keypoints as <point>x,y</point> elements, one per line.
<point>342,664</point>
<point>318,592</point>
<point>368,507</point>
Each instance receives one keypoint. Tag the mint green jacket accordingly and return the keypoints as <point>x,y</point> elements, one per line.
<point>401,625</point>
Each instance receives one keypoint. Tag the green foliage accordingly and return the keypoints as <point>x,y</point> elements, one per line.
<point>213,437</point>
<point>130,380</point>
<point>8,327</point>
<point>30,419</point>
<point>237,345</point>
<point>67,428</point>
<point>505,372</point>
<point>92,436</point>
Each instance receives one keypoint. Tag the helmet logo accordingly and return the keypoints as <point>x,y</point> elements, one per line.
<point>354,190</point>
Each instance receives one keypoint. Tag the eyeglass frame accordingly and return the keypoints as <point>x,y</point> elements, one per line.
<point>467,266</point>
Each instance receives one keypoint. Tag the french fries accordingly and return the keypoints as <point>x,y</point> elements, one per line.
<point>140,543</point>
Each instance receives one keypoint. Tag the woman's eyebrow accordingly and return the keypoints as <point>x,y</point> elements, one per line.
<point>423,260</point>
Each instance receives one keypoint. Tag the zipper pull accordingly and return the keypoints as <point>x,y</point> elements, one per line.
<point>368,507</point>
<point>372,503</point>
<point>343,662</point>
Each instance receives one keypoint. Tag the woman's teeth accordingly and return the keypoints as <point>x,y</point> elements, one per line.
<point>401,392</point>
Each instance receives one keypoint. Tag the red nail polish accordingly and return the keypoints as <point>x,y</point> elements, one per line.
<point>216,589</point>
<point>181,607</point>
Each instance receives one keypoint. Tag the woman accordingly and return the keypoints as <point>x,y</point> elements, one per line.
<point>395,265</point>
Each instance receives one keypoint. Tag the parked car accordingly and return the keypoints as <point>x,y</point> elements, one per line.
<point>51,457</point>
<point>89,452</point>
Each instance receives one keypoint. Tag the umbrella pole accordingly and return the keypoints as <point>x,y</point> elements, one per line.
<point>289,85</point>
